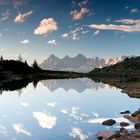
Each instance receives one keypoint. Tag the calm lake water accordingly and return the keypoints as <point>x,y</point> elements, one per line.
<point>62,110</point>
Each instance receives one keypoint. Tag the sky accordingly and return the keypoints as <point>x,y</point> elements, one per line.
<point>38,28</point>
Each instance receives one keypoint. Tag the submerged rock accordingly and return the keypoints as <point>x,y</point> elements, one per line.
<point>109,122</point>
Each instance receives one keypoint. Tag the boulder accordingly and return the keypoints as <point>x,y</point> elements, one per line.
<point>109,122</point>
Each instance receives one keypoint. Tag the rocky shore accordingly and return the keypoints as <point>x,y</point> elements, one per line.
<point>129,87</point>
<point>123,133</point>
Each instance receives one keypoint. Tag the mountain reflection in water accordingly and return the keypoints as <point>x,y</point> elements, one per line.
<point>79,84</point>
<point>132,89</point>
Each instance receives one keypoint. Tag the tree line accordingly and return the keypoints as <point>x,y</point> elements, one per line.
<point>18,66</point>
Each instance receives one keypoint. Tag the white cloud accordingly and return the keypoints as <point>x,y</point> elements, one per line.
<point>21,17</point>
<point>129,21</point>
<point>5,15</point>
<point>77,15</point>
<point>95,114</point>
<point>84,115</point>
<point>25,41</point>
<point>100,120</point>
<point>127,7</point>
<point>52,42</point>
<point>96,32</point>
<point>46,26</point>
<point>24,104</point>
<point>65,35</point>
<point>77,132</point>
<point>85,32</point>
<point>83,3</point>
<point>73,3</point>
<point>19,128</point>
<point>135,11</point>
<point>125,28</point>
<point>74,33</point>
<point>73,112</point>
<point>3,130</point>
<point>74,36</point>
<point>17,3</point>
<point>45,120</point>
<point>51,104</point>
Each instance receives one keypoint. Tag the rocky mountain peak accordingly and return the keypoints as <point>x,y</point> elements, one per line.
<point>78,63</point>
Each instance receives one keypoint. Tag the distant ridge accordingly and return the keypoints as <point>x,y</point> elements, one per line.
<point>78,63</point>
<point>128,66</point>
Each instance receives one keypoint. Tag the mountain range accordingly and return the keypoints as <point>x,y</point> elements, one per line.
<point>79,63</point>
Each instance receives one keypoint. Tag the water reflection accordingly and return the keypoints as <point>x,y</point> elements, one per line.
<point>45,120</point>
<point>55,110</point>
<point>79,84</point>
<point>13,85</point>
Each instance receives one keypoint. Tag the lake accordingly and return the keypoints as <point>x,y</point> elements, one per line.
<point>72,109</point>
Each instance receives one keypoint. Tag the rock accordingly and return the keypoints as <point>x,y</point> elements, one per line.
<point>105,135</point>
<point>127,138</point>
<point>99,137</point>
<point>136,113</point>
<point>109,122</point>
<point>130,118</point>
<point>124,124</point>
<point>137,126</point>
<point>136,134</point>
<point>124,131</point>
<point>125,112</point>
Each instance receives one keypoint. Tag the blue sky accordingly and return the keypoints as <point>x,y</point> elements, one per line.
<point>38,28</point>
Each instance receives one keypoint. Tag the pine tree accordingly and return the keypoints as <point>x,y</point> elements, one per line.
<point>1,58</point>
<point>35,65</point>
